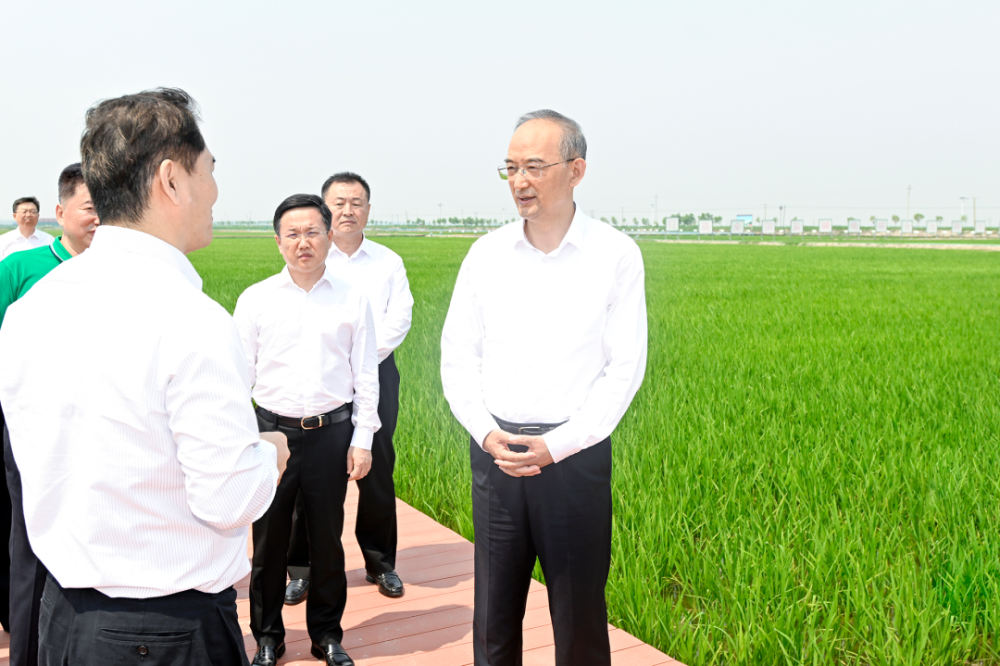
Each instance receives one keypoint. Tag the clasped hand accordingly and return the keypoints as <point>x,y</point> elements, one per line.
<point>514,463</point>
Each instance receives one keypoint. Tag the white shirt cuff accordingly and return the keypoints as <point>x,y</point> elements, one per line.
<point>362,438</point>
<point>562,442</point>
<point>482,425</point>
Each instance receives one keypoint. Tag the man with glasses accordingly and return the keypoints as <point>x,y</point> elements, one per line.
<point>26,236</point>
<point>379,273</point>
<point>542,351</point>
<point>75,213</point>
<point>312,354</point>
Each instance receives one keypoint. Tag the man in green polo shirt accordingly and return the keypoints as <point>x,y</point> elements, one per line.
<point>18,273</point>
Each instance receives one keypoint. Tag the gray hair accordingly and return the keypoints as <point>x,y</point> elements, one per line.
<point>572,144</point>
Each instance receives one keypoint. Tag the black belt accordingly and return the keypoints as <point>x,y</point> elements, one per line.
<point>342,413</point>
<point>531,429</point>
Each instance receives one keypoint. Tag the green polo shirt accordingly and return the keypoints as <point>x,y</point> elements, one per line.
<point>21,270</point>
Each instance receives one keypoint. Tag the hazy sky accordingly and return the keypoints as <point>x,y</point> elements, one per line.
<point>831,108</point>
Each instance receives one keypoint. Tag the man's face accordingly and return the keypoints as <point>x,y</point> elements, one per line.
<point>303,240</point>
<point>26,216</point>
<point>349,205</point>
<point>78,218</point>
<point>203,193</point>
<point>536,142</point>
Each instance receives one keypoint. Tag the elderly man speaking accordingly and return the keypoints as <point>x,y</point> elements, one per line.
<point>543,349</point>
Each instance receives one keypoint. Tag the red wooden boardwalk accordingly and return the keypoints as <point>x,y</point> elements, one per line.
<point>432,623</point>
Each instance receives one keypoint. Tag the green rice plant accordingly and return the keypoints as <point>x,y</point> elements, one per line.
<point>810,473</point>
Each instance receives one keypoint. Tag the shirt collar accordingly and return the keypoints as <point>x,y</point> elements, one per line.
<point>364,247</point>
<point>285,279</point>
<point>58,249</point>
<point>113,238</point>
<point>574,235</point>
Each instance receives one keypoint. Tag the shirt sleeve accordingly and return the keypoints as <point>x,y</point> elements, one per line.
<point>246,328</point>
<point>8,289</point>
<point>229,474</point>
<point>364,366</point>
<point>624,342</point>
<point>392,330</point>
<point>462,359</point>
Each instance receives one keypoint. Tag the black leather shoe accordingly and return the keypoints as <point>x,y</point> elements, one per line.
<point>296,591</point>
<point>388,583</point>
<point>333,654</point>
<point>268,655</point>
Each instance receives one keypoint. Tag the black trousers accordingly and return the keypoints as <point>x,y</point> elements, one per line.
<point>5,530</point>
<point>84,626</point>
<point>317,468</point>
<point>376,524</point>
<point>562,516</point>
<point>27,573</point>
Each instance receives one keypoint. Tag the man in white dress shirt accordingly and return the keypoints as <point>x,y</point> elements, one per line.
<point>379,273</point>
<point>312,354</point>
<point>542,351</point>
<point>26,236</point>
<point>141,463</point>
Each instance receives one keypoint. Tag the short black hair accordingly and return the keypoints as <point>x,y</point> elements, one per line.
<point>302,201</point>
<point>125,141</point>
<point>70,179</point>
<point>347,177</point>
<point>33,200</point>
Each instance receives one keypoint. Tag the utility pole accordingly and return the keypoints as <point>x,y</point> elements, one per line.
<point>973,212</point>
<point>656,210</point>
<point>440,214</point>
<point>908,188</point>
<point>765,213</point>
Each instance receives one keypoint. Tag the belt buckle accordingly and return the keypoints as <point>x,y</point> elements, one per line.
<point>302,422</point>
<point>531,431</point>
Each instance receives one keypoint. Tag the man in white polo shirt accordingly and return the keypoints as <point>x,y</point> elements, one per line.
<point>379,273</point>
<point>26,236</point>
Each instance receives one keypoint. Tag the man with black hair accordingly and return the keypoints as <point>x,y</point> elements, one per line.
<point>379,273</point>
<point>18,273</point>
<point>26,236</point>
<point>141,463</point>
<point>312,356</point>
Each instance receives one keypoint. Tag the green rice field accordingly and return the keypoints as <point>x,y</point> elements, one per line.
<point>810,473</point>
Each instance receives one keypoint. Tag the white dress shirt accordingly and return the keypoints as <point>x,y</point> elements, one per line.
<point>309,352</point>
<point>141,463</point>
<point>13,241</point>
<point>379,273</point>
<point>536,338</point>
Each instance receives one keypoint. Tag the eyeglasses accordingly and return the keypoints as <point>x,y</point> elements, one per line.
<point>28,212</point>
<point>309,235</point>
<point>530,172</point>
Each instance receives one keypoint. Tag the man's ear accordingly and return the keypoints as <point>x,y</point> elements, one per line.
<point>60,212</point>
<point>579,167</point>
<point>166,180</point>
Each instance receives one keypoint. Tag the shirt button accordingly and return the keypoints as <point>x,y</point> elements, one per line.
<point>143,650</point>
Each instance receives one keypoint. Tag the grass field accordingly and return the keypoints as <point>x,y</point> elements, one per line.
<point>809,474</point>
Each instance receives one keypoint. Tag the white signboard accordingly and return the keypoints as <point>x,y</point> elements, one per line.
<point>768,227</point>
<point>673,224</point>
<point>705,227</point>
<point>826,226</point>
<point>854,226</point>
<point>981,227</point>
<point>797,227</point>
<point>736,227</point>
<point>907,227</point>
<point>956,227</point>
<point>881,226</point>
<point>932,226</point>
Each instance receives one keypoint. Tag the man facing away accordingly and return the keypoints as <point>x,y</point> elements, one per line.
<point>312,353</point>
<point>141,463</point>
<point>26,236</point>
<point>379,273</point>
<point>18,273</point>
<point>542,351</point>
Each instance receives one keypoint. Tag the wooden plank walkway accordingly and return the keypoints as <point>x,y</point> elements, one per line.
<point>432,623</point>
